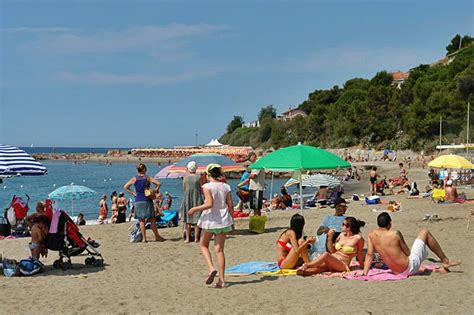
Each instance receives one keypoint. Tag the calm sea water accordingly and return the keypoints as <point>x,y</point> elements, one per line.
<point>99,177</point>
<point>36,150</point>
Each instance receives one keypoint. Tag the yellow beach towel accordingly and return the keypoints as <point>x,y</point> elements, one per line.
<point>281,272</point>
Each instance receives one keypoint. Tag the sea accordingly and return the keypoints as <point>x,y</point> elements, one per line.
<point>102,178</point>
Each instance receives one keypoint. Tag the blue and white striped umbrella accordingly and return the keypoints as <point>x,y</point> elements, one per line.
<point>16,162</point>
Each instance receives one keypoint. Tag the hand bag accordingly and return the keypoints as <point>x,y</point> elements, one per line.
<point>149,193</point>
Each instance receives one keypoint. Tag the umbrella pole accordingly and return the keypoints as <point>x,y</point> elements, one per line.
<point>271,189</point>
<point>301,193</point>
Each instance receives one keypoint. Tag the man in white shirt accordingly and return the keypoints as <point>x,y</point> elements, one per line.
<point>256,187</point>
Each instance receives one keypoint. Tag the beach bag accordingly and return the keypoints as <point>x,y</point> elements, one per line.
<point>10,267</point>
<point>149,193</point>
<point>5,227</point>
<point>29,267</point>
<point>257,224</point>
<point>372,200</point>
<point>136,234</point>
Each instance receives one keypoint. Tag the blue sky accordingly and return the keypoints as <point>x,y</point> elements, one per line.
<point>152,73</point>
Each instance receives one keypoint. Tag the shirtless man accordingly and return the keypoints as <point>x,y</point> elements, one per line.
<point>395,253</point>
<point>451,192</point>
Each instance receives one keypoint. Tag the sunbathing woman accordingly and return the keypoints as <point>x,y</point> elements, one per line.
<point>292,249</point>
<point>349,244</point>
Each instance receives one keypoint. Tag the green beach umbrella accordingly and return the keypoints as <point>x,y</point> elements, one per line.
<point>299,158</point>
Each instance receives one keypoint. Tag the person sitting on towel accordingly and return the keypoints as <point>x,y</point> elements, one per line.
<point>395,253</point>
<point>292,248</point>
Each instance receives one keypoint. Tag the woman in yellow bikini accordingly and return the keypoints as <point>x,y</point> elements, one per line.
<point>348,245</point>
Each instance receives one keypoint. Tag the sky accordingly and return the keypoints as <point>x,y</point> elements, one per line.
<point>156,73</point>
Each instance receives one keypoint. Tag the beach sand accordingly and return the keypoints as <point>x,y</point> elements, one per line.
<point>169,277</point>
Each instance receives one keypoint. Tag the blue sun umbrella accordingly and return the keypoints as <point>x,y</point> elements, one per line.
<point>71,192</point>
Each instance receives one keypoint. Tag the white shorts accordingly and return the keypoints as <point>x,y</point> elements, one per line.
<point>419,252</point>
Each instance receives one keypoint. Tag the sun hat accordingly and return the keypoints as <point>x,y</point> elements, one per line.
<point>211,167</point>
<point>192,167</point>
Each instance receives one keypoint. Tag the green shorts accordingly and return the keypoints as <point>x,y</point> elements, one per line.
<point>226,229</point>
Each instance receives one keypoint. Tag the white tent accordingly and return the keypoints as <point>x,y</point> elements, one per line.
<point>214,143</point>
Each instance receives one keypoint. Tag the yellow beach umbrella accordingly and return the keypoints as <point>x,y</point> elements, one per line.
<point>451,161</point>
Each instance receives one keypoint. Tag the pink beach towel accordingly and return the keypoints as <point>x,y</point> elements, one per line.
<point>382,274</point>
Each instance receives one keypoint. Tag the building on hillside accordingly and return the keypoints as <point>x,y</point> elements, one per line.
<point>292,113</point>
<point>399,78</point>
<point>252,124</point>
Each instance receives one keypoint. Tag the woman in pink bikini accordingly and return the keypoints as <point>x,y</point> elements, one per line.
<point>292,248</point>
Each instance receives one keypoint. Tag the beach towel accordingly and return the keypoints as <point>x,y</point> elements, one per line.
<point>280,272</point>
<point>252,267</point>
<point>382,274</point>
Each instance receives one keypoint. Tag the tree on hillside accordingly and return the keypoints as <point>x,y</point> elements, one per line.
<point>382,78</point>
<point>235,123</point>
<point>267,112</point>
<point>458,43</point>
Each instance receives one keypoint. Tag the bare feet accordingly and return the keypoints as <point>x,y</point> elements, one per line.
<point>210,277</point>
<point>220,285</point>
<point>160,239</point>
<point>450,263</point>
<point>187,241</point>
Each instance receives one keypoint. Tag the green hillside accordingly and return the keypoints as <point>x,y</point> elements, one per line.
<point>375,113</point>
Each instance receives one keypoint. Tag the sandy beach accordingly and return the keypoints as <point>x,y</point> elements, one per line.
<point>169,277</point>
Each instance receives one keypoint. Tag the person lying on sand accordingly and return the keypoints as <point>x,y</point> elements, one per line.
<point>292,248</point>
<point>348,245</point>
<point>395,252</point>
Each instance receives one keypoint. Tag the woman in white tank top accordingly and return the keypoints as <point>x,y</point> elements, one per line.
<point>215,220</point>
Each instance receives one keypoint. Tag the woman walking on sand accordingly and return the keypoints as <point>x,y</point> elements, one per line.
<point>215,220</point>
<point>192,198</point>
<point>144,209</point>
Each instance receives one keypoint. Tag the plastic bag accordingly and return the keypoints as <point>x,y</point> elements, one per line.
<point>257,224</point>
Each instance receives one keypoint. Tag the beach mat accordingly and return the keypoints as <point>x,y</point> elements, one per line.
<point>251,267</point>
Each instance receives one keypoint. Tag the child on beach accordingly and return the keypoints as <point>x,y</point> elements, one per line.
<point>215,220</point>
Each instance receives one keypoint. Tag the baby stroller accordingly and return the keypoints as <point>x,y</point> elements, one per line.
<point>16,215</point>
<point>65,238</point>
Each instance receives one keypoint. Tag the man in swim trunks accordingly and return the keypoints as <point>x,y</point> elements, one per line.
<point>395,252</point>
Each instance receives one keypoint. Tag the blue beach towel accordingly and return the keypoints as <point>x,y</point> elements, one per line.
<point>252,267</point>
